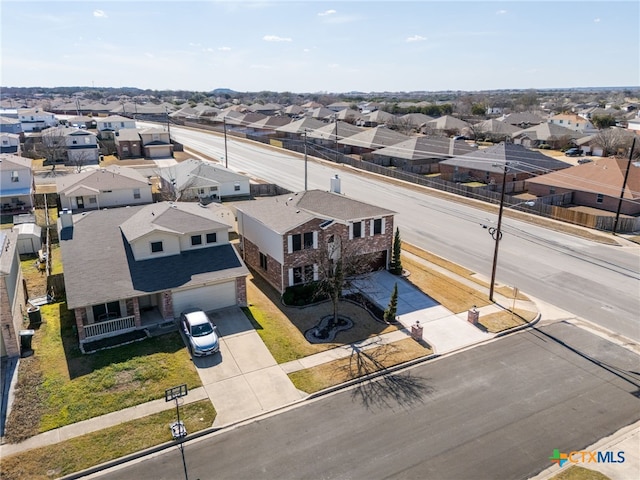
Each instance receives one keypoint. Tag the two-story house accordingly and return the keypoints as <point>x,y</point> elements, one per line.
<point>10,125</point>
<point>103,188</point>
<point>35,119</point>
<point>196,180</point>
<point>573,122</point>
<point>131,269</point>
<point>9,143</point>
<point>283,237</point>
<point>128,143</point>
<point>74,146</point>
<point>107,126</point>
<point>13,305</point>
<point>16,183</point>
<point>156,142</point>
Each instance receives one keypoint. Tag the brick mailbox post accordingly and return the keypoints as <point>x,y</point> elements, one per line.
<point>416,331</point>
<point>473,316</point>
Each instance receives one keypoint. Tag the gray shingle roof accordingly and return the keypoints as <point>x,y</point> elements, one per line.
<point>9,161</point>
<point>373,138</point>
<point>328,132</point>
<point>110,178</point>
<point>493,159</point>
<point>299,126</point>
<point>548,131</point>
<point>197,173</point>
<point>284,212</point>
<point>99,265</point>
<point>426,147</point>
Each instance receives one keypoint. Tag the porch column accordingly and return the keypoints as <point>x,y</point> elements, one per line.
<point>81,316</point>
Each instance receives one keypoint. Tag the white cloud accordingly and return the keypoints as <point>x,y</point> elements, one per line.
<point>327,12</point>
<point>191,44</point>
<point>306,50</point>
<point>224,49</point>
<point>99,14</point>
<point>275,38</point>
<point>501,12</point>
<point>596,20</point>
<point>416,38</point>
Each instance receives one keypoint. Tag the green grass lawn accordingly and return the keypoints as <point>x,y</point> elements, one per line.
<point>575,472</point>
<point>59,385</point>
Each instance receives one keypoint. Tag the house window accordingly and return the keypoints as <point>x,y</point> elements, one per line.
<point>201,191</point>
<point>296,242</point>
<point>136,193</point>
<point>552,191</point>
<point>93,200</point>
<point>75,142</point>
<point>106,311</point>
<point>87,141</point>
<point>213,189</point>
<point>357,230</point>
<point>308,240</point>
<point>15,177</point>
<point>263,261</point>
<point>236,187</point>
<point>599,198</point>
<point>212,237</point>
<point>5,142</point>
<point>196,240</point>
<point>121,124</point>
<point>377,226</point>
<point>302,274</point>
<point>156,247</point>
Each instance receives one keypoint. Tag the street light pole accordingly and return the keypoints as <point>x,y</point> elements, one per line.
<point>498,233</point>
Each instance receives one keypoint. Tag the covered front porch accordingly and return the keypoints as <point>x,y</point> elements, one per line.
<point>146,314</point>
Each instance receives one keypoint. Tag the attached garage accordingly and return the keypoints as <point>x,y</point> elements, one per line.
<point>207,298</point>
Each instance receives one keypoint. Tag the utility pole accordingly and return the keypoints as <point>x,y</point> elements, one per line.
<point>166,111</point>
<point>624,185</point>
<point>226,158</point>
<point>305,160</point>
<point>497,235</point>
<point>335,117</point>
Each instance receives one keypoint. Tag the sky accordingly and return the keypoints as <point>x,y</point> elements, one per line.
<point>320,46</point>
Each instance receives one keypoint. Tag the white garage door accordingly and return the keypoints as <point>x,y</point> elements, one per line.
<point>207,298</point>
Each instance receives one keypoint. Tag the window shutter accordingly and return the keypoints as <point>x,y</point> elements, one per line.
<point>383,225</point>
<point>289,244</point>
<point>315,272</point>
<point>351,231</point>
<point>290,276</point>
<point>371,222</point>
<point>315,240</point>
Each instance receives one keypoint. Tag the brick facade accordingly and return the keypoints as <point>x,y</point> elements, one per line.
<point>166,305</point>
<point>241,291</point>
<point>378,246</point>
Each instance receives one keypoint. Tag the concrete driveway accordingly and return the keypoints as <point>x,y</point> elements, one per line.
<point>243,380</point>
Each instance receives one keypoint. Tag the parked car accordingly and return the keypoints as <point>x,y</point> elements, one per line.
<point>584,160</point>
<point>201,332</point>
<point>573,152</point>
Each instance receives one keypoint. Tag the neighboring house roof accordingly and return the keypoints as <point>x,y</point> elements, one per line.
<point>113,118</point>
<point>9,121</point>
<point>293,110</point>
<point>496,126</point>
<point>127,135</point>
<point>602,175</point>
<point>347,114</point>
<point>328,131</point>
<point>152,131</point>
<point>245,119</point>
<point>379,116</point>
<point>592,139</point>
<point>94,181</point>
<point>100,267</point>
<point>9,162</point>
<point>197,173</point>
<point>374,138</point>
<point>426,147</point>
<point>416,119</point>
<point>447,122</point>
<point>494,159</point>
<point>320,113</point>
<point>300,126</point>
<point>339,106</point>
<point>270,123</point>
<point>284,212</point>
<point>522,118</point>
<point>548,132</point>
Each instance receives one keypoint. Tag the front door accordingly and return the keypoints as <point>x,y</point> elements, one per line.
<point>80,202</point>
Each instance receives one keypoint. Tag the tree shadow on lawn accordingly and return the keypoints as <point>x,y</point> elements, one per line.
<point>305,318</point>
<point>80,364</point>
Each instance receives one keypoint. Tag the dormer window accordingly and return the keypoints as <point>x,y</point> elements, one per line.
<point>212,237</point>
<point>156,247</point>
<point>196,240</point>
<point>15,177</point>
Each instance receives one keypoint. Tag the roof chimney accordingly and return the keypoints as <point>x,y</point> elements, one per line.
<point>66,218</point>
<point>335,184</point>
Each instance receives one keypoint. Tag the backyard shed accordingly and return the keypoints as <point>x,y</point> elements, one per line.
<point>29,238</point>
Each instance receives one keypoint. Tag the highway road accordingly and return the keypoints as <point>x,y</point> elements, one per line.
<point>493,412</point>
<point>597,282</point>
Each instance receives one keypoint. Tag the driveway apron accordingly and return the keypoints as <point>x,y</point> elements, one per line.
<point>243,380</point>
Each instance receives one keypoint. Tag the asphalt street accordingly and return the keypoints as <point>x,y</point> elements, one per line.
<point>493,412</point>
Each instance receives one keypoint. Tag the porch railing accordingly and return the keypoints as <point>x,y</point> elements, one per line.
<point>117,325</point>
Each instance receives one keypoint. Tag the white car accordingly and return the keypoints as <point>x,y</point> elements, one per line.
<point>201,333</point>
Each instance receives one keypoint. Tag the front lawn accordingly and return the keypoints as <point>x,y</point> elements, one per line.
<point>59,385</point>
<point>114,442</point>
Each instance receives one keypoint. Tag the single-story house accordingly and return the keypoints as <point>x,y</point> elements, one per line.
<point>284,237</point>
<point>135,268</point>
<point>13,306</point>
<point>372,139</point>
<point>595,184</point>
<point>113,186</point>
<point>421,154</point>
<point>556,136</point>
<point>488,165</point>
<point>203,181</point>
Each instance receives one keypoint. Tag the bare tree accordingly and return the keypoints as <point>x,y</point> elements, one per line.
<point>53,146</point>
<point>339,262</point>
<point>613,141</point>
<point>169,189</point>
<point>78,160</point>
